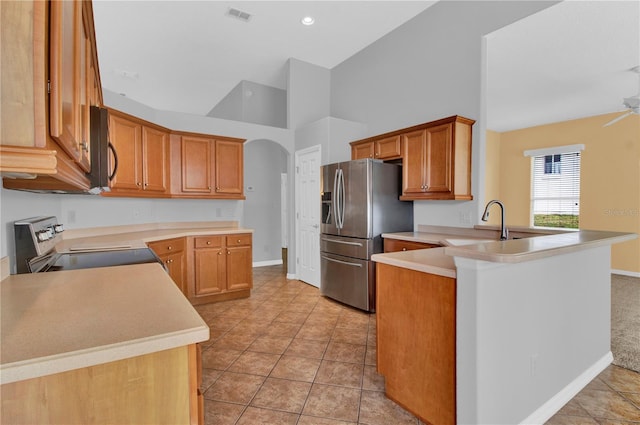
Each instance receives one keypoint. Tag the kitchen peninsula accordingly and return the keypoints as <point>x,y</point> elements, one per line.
<point>492,331</point>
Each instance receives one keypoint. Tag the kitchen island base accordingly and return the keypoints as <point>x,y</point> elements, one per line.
<point>416,341</point>
<point>158,388</point>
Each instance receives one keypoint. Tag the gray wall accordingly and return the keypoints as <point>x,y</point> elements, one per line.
<point>333,135</point>
<point>308,91</point>
<point>429,68</point>
<point>254,103</point>
<point>264,161</point>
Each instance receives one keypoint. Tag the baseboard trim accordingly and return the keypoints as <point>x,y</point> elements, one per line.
<point>555,403</point>
<point>267,263</point>
<point>291,276</point>
<point>625,273</point>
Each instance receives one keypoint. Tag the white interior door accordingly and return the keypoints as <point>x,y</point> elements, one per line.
<point>307,181</point>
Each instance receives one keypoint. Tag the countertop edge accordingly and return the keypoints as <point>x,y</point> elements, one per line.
<point>37,367</point>
<point>391,259</point>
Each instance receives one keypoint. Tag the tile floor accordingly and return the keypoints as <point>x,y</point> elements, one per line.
<point>286,355</point>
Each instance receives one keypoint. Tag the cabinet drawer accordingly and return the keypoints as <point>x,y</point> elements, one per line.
<point>239,240</point>
<point>168,246</point>
<point>208,242</point>
<point>394,245</point>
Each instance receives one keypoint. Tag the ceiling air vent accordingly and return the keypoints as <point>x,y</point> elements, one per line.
<point>239,14</point>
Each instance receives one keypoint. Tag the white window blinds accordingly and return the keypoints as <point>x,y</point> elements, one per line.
<point>555,192</point>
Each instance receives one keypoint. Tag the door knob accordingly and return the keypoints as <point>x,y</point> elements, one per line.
<point>315,226</point>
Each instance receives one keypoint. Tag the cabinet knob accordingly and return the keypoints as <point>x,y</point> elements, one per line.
<point>146,184</point>
<point>219,252</point>
<point>169,248</point>
<point>228,252</point>
<point>217,188</point>
<point>209,187</point>
<point>138,184</point>
<point>239,240</point>
<point>404,249</point>
<point>208,242</point>
<point>84,145</point>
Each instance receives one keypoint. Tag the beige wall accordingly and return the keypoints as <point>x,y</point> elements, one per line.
<point>609,183</point>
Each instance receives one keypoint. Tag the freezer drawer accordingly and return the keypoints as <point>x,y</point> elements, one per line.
<point>348,280</point>
<point>349,247</point>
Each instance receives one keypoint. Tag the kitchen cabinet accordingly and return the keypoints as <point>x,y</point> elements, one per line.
<point>221,267</point>
<point>437,161</point>
<point>142,157</point>
<point>385,148</point>
<point>208,167</point>
<point>172,253</point>
<point>160,387</point>
<point>49,61</point>
<point>394,245</point>
<point>420,373</point>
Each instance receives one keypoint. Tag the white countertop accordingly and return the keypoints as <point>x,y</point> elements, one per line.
<point>460,242</point>
<point>54,322</point>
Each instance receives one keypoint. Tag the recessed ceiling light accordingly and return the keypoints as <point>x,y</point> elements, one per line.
<point>307,20</point>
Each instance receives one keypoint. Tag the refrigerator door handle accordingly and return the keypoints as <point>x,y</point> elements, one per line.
<point>342,262</point>
<point>335,200</point>
<point>341,195</point>
<point>342,242</point>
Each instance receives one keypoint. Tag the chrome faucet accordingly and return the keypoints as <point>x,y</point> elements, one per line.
<point>504,233</point>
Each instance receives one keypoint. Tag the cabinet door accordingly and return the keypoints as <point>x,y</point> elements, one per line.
<point>388,148</point>
<point>155,153</point>
<point>413,162</point>
<point>239,272</point>
<point>176,266</point>
<point>438,159</point>
<point>126,136</point>
<point>197,154</point>
<point>228,167</point>
<point>65,51</point>
<point>210,271</point>
<point>363,150</point>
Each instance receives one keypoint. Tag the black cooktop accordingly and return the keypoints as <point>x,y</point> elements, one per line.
<point>87,260</point>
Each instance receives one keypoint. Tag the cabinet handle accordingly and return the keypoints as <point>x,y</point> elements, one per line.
<point>208,242</point>
<point>84,145</point>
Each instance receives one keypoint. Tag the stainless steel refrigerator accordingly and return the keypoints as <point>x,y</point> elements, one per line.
<point>359,203</point>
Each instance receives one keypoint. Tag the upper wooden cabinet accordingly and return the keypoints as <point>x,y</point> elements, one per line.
<point>437,160</point>
<point>385,148</point>
<point>142,157</point>
<point>49,78</point>
<point>207,167</point>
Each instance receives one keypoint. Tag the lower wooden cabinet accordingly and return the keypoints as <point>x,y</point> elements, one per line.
<point>156,388</point>
<point>416,341</point>
<point>394,245</point>
<point>173,255</point>
<point>221,267</point>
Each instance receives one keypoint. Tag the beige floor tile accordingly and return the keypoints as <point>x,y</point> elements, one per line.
<point>316,332</point>
<point>209,376</point>
<point>571,420</point>
<point>238,342</point>
<point>282,329</point>
<point>333,402</point>
<point>621,379</point>
<point>345,352</point>
<point>254,363</point>
<point>296,368</point>
<point>220,413</point>
<point>376,409</point>
<point>607,404</point>
<point>311,420</point>
<point>350,336</point>
<point>371,380</point>
<point>234,387</point>
<point>219,358</point>
<point>371,357</point>
<point>633,397</point>
<point>339,373</point>
<point>255,416</point>
<point>306,348</point>
<point>573,408</point>
<point>282,394</point>
<point>270,344</point>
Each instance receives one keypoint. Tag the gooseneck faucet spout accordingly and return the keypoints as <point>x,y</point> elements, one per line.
<point>504,233</point>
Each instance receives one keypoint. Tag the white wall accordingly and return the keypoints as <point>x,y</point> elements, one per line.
<point>333,134</point>
<point>308,89</point>
<point>428,68</point>
<point>264,162</point>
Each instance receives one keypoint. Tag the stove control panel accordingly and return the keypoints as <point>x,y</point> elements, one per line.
<point>35,237</point>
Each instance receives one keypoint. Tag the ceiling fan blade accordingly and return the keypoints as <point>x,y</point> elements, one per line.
<point>615,120</point>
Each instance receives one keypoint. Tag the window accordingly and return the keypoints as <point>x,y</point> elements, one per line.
<point>555,186</point>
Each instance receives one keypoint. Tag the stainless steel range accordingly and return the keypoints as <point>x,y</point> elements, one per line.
<point>36,238</point>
